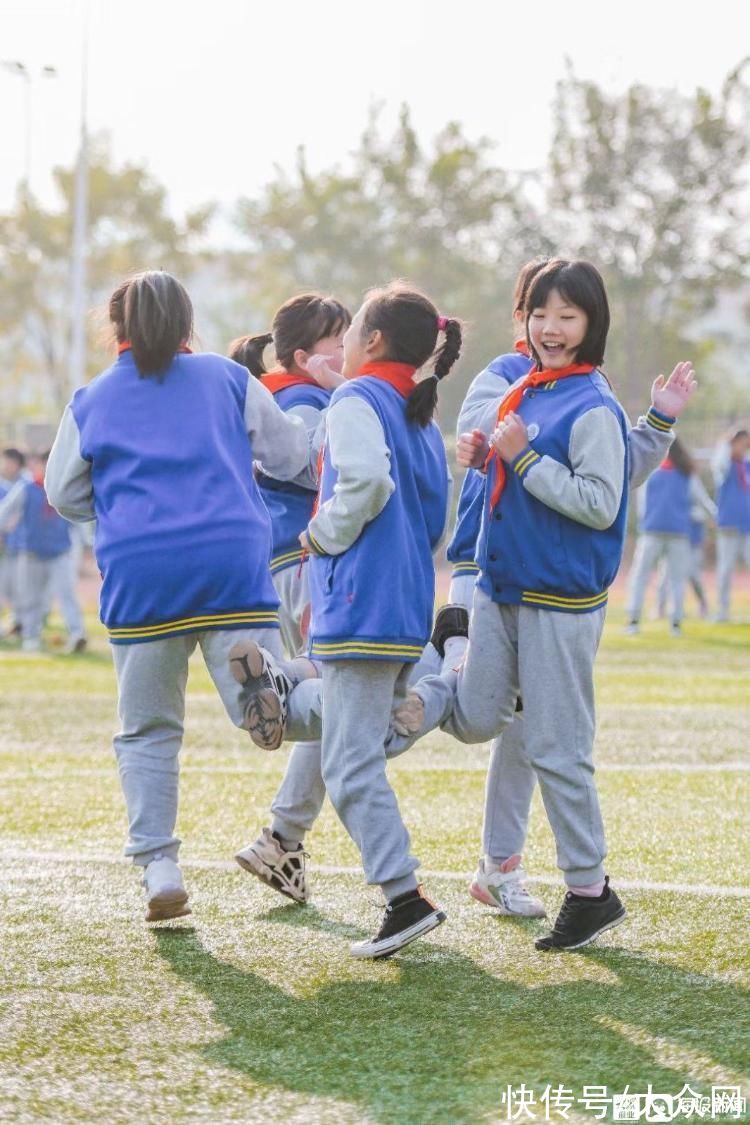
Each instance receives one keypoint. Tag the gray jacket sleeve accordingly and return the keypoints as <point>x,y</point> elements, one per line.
<point>12,505</point>
<point>701,504</point>
<point>479,409</point>
<point>67,480</point>
<point>358,452</point>
<point>280,441</point>
<point>314,421</point>
<point>721,463</point>
<point>648,448</point>
<point>591,491</point>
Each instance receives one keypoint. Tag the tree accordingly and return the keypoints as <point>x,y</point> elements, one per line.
<point>444,218</point>
<point>649,185</point>
<point>130,228</point>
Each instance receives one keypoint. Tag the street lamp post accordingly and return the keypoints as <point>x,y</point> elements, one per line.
<point>29,75</point>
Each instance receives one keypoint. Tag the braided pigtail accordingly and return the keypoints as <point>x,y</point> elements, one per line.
<point>248,350</point>
<point>423,401</point>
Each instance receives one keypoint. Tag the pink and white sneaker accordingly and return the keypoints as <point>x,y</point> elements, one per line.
<point>505,891</point>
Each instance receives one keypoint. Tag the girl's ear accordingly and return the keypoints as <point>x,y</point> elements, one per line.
<point>300,358</point>
<point>375,344</point>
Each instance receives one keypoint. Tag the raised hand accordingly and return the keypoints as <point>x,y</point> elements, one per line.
<point>319,367</point>
<point>671,396</point>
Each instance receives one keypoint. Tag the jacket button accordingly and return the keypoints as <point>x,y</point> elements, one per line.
<point>493,558</point>
<point>498,515</point>
<point>498,589</point>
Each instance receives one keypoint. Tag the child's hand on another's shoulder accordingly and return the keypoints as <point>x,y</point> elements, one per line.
<point>671,396</point>
<point>510,438</point>
<point>472,450</point>
<point>324,375</point>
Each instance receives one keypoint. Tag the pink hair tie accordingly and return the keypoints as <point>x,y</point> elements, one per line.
<point>442,322</point>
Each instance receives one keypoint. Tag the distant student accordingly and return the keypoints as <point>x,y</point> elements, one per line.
<point>12,462</point>
<point>156,448</point>
<point>383,508</point>
<point>731,470</point>
<point>666,504</point>
<point>702,509</point>
<point>44,561</point>
<point>307,337</point>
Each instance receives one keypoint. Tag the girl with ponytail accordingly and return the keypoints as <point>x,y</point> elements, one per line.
<point>383,506</point>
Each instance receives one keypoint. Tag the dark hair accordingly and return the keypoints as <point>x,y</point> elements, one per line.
<point>298,324</point>
<point>153,313</point>
<point>581,284</point>
<point>680,458</point>
<point>736,433</point>
<point>526,275</point>
<point>408,321</point>
<point>16,455</point>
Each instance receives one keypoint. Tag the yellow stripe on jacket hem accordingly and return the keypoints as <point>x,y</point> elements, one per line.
<point>465,568</point>
<point>281,561</point>
<point>330,648</point>
<point>251,617</point>
<point>535,598</point>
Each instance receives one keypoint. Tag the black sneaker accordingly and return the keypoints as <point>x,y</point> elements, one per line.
<point>407,917</point>
<point>451,621</point>
<point>582,919</point>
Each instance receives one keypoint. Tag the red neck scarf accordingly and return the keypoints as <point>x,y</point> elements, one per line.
<point>521,346</point>
<point>275,381</point>
<point>399,375</point>
<point>535,378</point>
<point>126,346</point>
<point>666,464</point>
<point>743,473</point>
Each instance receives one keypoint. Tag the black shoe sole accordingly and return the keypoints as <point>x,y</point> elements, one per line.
<point>610,925</point>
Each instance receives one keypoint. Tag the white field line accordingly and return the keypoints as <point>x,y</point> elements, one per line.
<point>708,890</point>
<point>439,767</point>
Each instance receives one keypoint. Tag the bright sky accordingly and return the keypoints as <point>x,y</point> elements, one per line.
<point>211,94</point>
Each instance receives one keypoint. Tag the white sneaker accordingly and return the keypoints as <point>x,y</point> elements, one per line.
<point>675,629</point>
<point>166,896</point>
<point>282,870</point>
<point>632,629</point>
<point>506,892</point>
<point>266,691</point>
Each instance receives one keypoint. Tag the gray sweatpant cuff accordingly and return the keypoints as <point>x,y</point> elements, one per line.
<point>584,876</point>
<point>392,888</point>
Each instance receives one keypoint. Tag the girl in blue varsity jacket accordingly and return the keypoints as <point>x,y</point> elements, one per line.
<point>731,469</point>
<point>383,504</point>
<point>307,335</point>
<point>551,542</point>
<point>159,449</point>
<point>665,529</point>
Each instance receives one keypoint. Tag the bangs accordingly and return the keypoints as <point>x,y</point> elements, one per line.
<point>579,283</point>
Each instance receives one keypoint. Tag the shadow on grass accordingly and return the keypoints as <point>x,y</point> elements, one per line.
<point>440,1039</point>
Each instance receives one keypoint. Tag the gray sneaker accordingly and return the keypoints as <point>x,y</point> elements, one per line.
<point>266,691</point>
<point>166,896</point>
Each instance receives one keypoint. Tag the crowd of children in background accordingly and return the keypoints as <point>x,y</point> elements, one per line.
<point>314,497</point>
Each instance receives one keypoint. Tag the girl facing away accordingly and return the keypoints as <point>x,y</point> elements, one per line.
<point>383,508</point>
<point>159,448</point>
<point>307,336</point>
<point>731,470</point>
<point>666,529</point>
<point>550,545</point>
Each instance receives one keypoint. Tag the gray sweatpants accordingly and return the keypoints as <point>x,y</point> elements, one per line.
<point>352,707</point>
<point>732,547</point>
<point>649,548</point>
<point>510,775</point>
<point>39,581</point>
<point>151,679</point>
<point>300,797</point>
<point>548,658</point>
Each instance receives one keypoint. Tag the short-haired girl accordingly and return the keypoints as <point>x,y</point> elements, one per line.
<point>307,336</point>
<point>383,507</point>
<point>156,448</point>
<point>551,543</point>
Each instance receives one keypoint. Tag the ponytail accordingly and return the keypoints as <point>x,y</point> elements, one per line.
<point>248,350</point>
<point>152,312</point>
<point>423,401</point>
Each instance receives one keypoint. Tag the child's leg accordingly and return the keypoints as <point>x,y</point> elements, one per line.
<point>292,587</point>
<point>728,545</point>
<point>151,679</point>
<point>508,792</point>
<point>300,797</point>
<point>64,578</point>
<point>696,576</point>
<point>648,550</point>
<point>216,645</point>
<point>678,567</point>
<point>556,658</point>
<point>358,698</point>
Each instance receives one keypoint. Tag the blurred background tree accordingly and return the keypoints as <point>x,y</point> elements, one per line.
<point>650,184</point>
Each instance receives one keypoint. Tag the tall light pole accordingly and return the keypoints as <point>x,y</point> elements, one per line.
<point>21,70</point>
<point>78,294</point>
